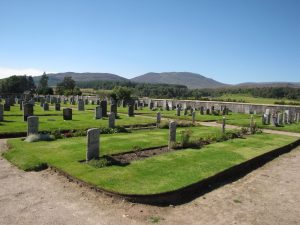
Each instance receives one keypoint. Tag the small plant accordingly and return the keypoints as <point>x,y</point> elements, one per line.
<point>155,219</point>
<point>185,138</point>
<point>99,163</point>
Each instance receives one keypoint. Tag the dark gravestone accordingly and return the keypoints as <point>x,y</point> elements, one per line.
<point>131,110</point>
<point>57,106</point>
<point>103,105</point>
<point>27,111</point>
<point>6,107</point>
<point>67,114</point>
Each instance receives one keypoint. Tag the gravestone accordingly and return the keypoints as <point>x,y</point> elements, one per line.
<point>27,111</point>
<point>6,107</point>
<point>151,105</point>
<point>80,105</point>
<point>283,118</point>
<point>207,112</point>
<point>32,125</point>
<point>98,112</point>
<point>114,108</point>
<point>57,106</point>
<point>185,111</point>
<point>279,118</point>
<point>158,118</point>
<point>93,144</point>
<point>172,134</point>
<point>178,111</point>
<point>130,109</point>
<point>42,102</point>
<point>193,116</point>
<point>46,106</point>
<point>252,124</point>
<point>103,105</point>
<point>298,117</point>
<point>201,110</point>
<point>1,112</point>
<point>223,124</point>
<point>67,114</point>
<point>86,101</point>
<point>111,120</point>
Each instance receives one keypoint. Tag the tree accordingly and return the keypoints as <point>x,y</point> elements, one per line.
<point>121,93</point>
<point>43,87</point>
<point>67,87</point>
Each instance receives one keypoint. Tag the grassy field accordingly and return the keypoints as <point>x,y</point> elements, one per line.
<point>257,100</point>
<point>53,120</point>
<point>238,119</point>
<point>156,174</point>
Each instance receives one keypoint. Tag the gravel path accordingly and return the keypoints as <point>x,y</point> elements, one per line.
<point>268,195</point>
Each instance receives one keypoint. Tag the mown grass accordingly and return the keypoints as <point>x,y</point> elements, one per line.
<point>157,174</point>
<point>53,120</point>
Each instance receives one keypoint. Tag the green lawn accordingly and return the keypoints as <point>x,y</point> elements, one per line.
<point>53,120</point>
<point>157,174</point>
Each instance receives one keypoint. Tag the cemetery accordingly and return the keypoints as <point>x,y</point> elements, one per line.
<point>156,156</point>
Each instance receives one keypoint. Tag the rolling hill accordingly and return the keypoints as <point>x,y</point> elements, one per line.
<point>55,78</point>
<point>191,80</point>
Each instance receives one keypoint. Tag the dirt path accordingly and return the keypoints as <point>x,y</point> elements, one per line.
<point>269,195</point>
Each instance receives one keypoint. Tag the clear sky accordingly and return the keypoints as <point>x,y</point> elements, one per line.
<point>231,41</point>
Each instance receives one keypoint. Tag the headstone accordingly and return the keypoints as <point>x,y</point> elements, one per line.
<point>178,111</point>
<point>1,112</point>
<point>158,118</point>
<point>130,109</point>
<point>151,105</point>
<point>201,110</point>
<point>172,134</point>
<point>98,112</point>
<point>57,106</point>
<point>93,144</point>
<point>193,116</point>
<point>103,105</point>
<point>6,107</point>
<point>252,124</point>
<point>67,114</point>
<point>21,105</point>
<point>27,111</point>
<point>80,105</point>
<point>86,101</point>
<point>185,111</point>
<point>114,108</point>
<point>46,106</point>
<point>283,118</point>
<point>32,125</point>
<point>207,112</point>
<point>111,120</point>
<point>298,117</point>
<point>223,124</point>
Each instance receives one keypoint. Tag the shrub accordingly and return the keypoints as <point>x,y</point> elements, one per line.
<point>99,163</point>
<point>185,137</point>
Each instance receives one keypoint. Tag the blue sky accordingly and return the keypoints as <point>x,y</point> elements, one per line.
<point>230,41</point>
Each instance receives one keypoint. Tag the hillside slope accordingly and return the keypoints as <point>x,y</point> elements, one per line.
<point>191,80</point>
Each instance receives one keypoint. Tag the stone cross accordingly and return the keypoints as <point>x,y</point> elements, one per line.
<point>93,144</point>
<point>32,125</point>
<point>111,120</point>
<point>67,114</point>
<point>98,112</point>
<point>172,134</point>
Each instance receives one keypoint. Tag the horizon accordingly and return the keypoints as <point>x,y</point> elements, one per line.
<point>233,42</point>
